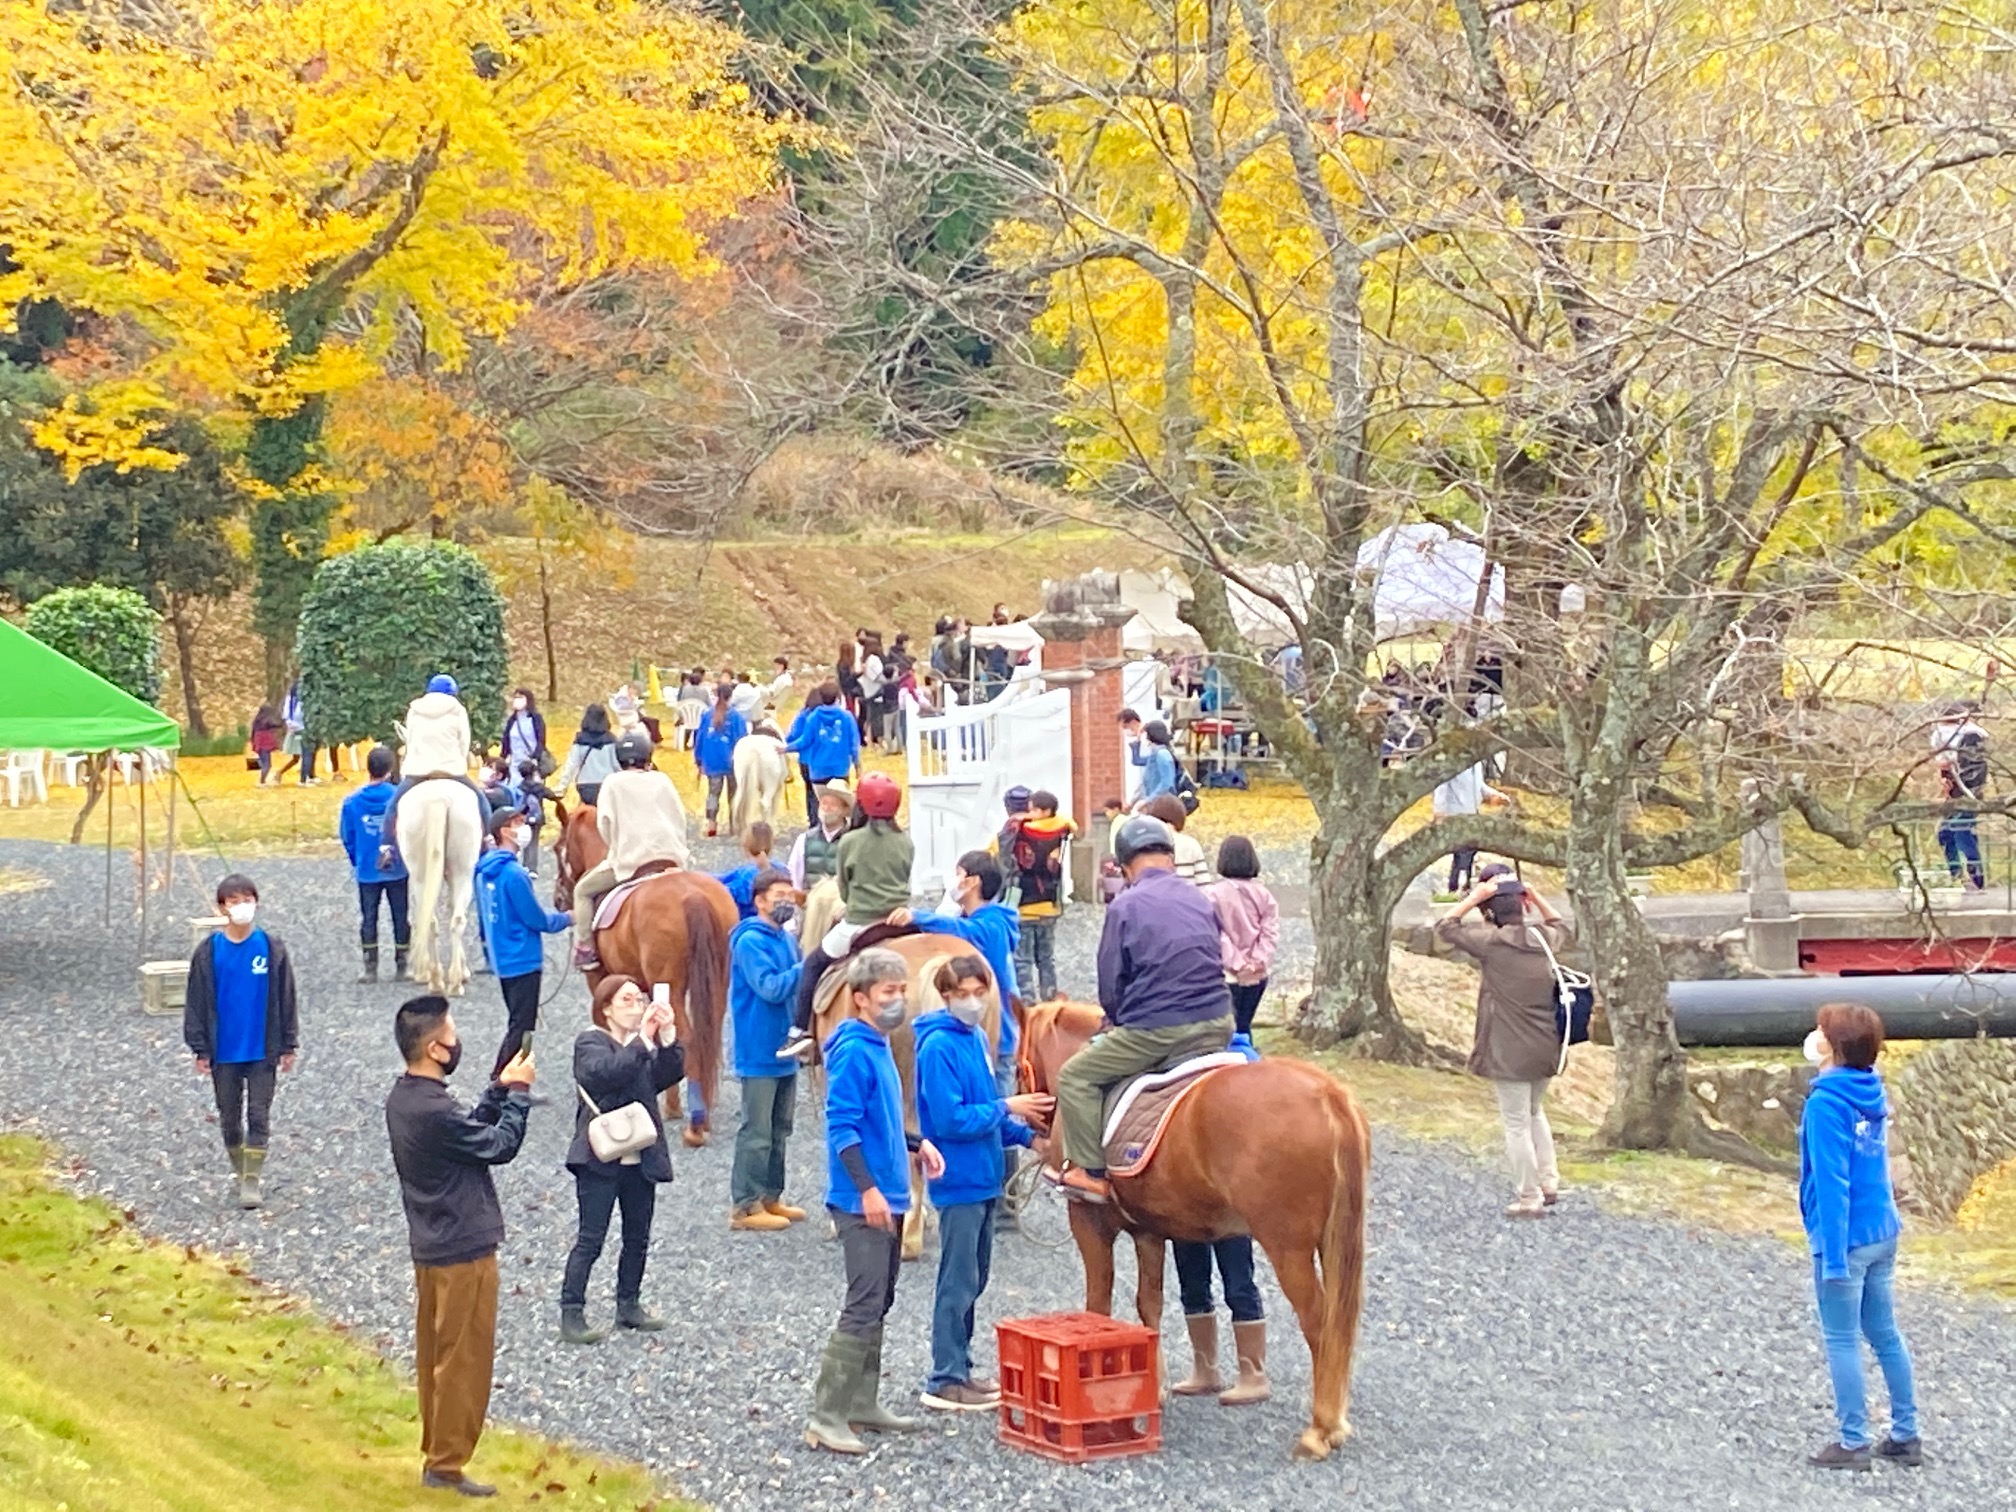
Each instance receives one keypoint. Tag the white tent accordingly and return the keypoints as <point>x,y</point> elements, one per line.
<point>1427,577</point>
<point>1017,637</point>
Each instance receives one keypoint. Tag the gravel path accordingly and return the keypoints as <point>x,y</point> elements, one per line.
<point>1589,1364</point>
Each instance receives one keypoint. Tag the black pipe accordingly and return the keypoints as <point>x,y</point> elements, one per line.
<point>1783,1010</point>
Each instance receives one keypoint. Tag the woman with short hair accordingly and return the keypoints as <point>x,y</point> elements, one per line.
<point>591,758</point>
<point>1850,1214</point>
<point>630,1056</point>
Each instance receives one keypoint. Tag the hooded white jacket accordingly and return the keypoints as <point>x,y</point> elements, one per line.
<point>437,737</point>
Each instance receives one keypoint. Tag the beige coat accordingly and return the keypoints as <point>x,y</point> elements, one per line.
<point>1515,996</point>
<point>641,818</point>
<point>437,737</point>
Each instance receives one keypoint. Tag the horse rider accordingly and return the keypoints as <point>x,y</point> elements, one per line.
<point>437,745</point>
<point>1162,984</point>
<point>640,817</point>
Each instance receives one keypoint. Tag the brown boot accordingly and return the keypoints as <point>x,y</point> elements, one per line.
<point>1249,1341</point>
<point>754,1219</point>
<point>776,1207</point>
<point>1204,1378</point>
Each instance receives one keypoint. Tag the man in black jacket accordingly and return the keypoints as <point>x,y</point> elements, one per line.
<point>240,1021</point>
<point>443,1153</point>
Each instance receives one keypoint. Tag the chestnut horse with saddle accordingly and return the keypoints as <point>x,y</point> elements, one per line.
<point>1275,1149</point>
<point>673,929</point>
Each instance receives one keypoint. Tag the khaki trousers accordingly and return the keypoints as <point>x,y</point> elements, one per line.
<point>1529,1141</point>
<point>454,1346</point>
<point>1111,1058</point>
<point>588,892</point>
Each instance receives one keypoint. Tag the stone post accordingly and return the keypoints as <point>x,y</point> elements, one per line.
<point>1080,626</point>
<point>1771,929</point>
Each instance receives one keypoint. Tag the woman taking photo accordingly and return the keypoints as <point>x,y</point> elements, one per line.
<point>1517,1048</point>
<point>1851,1223</point>
<point>630,1056</point>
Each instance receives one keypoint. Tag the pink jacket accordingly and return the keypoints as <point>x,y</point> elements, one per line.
<point>1249,927</point>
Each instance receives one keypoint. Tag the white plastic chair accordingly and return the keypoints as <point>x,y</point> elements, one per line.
<point>71,763</point>
<point>690,712</point>
<point>25,767</point>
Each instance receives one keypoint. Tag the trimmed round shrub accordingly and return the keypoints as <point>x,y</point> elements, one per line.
<point>112,631</point>
<point>378,622</point>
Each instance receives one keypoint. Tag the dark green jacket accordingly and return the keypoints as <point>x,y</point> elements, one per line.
<point>874,871</point>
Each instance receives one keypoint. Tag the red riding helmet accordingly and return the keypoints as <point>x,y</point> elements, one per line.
<point>879,796</point>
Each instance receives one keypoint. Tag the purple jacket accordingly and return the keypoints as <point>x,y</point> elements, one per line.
<point>1159,961</point>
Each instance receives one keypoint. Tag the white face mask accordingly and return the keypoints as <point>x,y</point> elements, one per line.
<point>241,913</point>
<point>518,704</point>
<point>968,1010</point>
<point>1812,1047</point>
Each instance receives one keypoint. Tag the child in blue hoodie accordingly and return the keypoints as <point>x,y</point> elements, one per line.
<point>512,921</point>
<point>763,968</point>
<point>993,929</point>
<point>826,741</point>
<point>961,1111</point>
<point>867,1194</point>
<point>1851,1223</point>
<point>714,751</point>
<point>361,827</point>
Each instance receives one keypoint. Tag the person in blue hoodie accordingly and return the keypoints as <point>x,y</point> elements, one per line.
<point>962,1112</point>
<point>763,969</point>
<point>360,825</point>
<point>740,881</point>
<point>512,921</point>
<point>990,927</point>
<point>714,751</point>
<point>1850,1213</point>
<point>867,1194</point>
<point>827,743</point>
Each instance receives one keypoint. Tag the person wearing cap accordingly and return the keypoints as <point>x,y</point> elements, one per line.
<point>512,922</point>
<point>437,745</point>
<point>873,874</point>
<point>815,855</point>
<point>640,818</point>
<point>1162,985</point>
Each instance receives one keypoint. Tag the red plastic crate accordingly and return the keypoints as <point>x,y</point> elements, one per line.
<point>1079,1368</point>
<point>1075,1443</point>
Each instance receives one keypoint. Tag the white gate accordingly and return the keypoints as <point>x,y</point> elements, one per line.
<point>964,760</point>
<point>1141,691</point>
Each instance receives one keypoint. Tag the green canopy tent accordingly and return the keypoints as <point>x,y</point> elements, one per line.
<point>49,702</point>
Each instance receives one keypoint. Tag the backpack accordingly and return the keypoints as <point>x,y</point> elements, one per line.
<point>1039,864</point>
<point>1186,789</point>
<point>1970,764</point>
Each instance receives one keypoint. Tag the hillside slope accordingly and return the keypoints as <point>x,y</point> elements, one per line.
<point>676,603</point>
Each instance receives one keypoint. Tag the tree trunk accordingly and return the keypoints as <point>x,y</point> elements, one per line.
<point>546,627</point>
<point>1650,1110</point>
<point>1351,917</point>
<point>100,770</point>
<point>185,663</point>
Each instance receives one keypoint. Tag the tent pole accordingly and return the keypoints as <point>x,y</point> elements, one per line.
<point>143,855</point>
<point>105,776</point>
<point>174,777</point>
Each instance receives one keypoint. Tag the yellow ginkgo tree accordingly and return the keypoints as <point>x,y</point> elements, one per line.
<point>251,198</point>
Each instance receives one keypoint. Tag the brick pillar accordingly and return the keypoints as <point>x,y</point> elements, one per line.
<point>1082,651</point>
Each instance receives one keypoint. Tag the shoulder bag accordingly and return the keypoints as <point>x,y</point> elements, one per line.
<point>1574,1000</point>
<point>620,1134</point>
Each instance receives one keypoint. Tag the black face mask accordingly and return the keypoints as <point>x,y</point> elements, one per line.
<point>454,1059</point>
<point>783,913</point>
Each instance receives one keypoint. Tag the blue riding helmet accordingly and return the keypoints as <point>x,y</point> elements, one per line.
<point>441,682</point>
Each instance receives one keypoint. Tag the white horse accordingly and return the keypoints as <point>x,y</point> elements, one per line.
<point>759,777</point>
<point>440,833</point>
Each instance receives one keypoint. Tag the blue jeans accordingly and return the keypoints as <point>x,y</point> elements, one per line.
<point>1235,1270</point>
<point>965,1253</point>
<point>1036,960</point>
<point>1960,843</point>
<point>1856,1309</point>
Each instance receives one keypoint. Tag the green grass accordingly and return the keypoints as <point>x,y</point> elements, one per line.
<point>146,1378</point>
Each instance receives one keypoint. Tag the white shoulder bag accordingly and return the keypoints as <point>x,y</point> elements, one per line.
<point>621,1133</point>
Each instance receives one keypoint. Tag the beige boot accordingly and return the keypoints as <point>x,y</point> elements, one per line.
<point>1204,1378</point>
<point>1249,1341</point>
<point>252,1161</point>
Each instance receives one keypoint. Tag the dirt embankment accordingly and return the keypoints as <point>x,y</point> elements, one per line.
<point>676,603</point>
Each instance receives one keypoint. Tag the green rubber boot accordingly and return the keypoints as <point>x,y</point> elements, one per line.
<point>868,1412</point>
<point>839,1379</point>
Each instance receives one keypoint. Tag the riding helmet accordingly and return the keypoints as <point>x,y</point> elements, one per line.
<point>879,796</point>
<point>1140,833</point>
<point>441,682</point>
<point>634,750</point>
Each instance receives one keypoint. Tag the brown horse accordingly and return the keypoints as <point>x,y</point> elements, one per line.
<point>1277,1150</point>
<point>674,930</point>
<point>923,954</point>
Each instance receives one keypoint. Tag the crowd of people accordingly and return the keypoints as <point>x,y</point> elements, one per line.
<point>1185,955</point>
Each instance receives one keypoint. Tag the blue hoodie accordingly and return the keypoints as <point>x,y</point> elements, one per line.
<point>714,750</point>
<point>511,917</point>
<point>763,968</point>
<point>827,740</point>
<point>741,885</point>
<point>1844,1167</point>
<point>994,930</point>
<point>361,828</point>
<point>864,1106</point>
<point>961,1111</point>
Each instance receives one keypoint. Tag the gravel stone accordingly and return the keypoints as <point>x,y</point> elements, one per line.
<point>1590,1363</point>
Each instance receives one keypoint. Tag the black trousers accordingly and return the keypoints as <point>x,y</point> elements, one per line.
<point>1235,1270</point>
<point>811,796</point>
<point>598,1195</point>
<point>816,962</point>
<point>1462,861</point>
<point>521,1015</point>
<point>874,1259</point>
<point>1245,1003</point>
<point>244,1101</point>
<point>394,894</point>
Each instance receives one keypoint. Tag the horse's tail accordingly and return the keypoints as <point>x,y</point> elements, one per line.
<point>1342,1248</point>
<point>706,997</point>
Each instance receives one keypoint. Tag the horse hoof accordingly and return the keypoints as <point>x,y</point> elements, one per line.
<point>1314,1444</point>
<point>1338,1434</point>
<point>693,1139</point>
